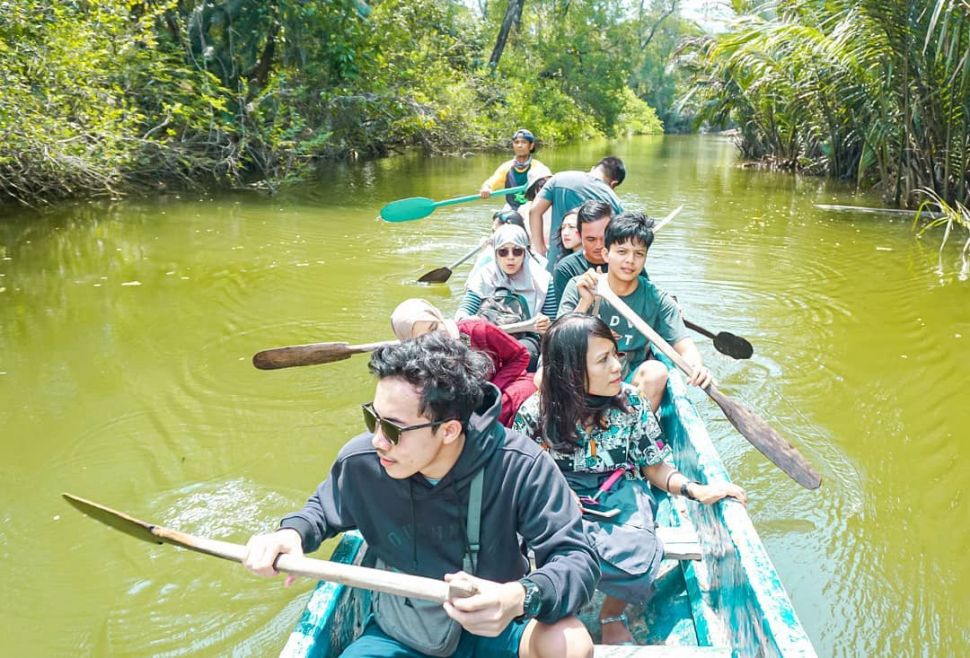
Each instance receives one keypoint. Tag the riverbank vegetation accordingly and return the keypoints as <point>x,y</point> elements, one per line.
<point>109,97</point>
<point>873,91</point>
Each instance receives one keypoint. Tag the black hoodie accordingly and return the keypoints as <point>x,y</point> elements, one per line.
<point>420,529</point>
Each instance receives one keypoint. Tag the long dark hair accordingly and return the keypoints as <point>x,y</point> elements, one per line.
<point>557,238</point>
<point>563,397</point>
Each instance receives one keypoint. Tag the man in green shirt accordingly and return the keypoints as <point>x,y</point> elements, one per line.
<point>591,222</point>
<point>567,190</point>
<point>627,239</point>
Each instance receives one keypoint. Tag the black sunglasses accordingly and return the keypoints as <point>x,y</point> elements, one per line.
<point>516,251</point>
<point>391,431</point>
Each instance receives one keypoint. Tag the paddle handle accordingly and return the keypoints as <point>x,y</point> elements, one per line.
<point>749,424</point>
<point>465,257</point>
<point>474,197</point>
<point>669,218</point>
<point>699,329</point>
<point>378,580</point>
<point>604,291</point>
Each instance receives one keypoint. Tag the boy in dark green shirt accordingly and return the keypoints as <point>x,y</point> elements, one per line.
<point>627,239</point>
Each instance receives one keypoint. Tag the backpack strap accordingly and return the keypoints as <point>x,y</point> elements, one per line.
<point>474,521</point>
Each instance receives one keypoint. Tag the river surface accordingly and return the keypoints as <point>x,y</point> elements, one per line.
<point>126,332</point>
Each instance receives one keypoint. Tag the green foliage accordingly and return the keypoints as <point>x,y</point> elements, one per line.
<point>872,91</point>
<point>951,217</point>
<point>638,118</point>
<point>119,95</point>
<point>656,78</point>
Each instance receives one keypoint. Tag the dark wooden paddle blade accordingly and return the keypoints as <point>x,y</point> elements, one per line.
<point>302,355</point>
<point>439,275</point>
<point>734,346</point>
<point>117,520</point>
<point>406,210</point>
<point>771,444</point>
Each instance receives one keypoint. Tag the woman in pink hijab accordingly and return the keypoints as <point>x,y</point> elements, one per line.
<point>416,317</point>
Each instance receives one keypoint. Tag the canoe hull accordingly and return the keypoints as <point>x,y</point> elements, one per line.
<point>730,598</point>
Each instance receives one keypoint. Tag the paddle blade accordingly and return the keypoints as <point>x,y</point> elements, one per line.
<point>439,275</point>
<point>406,210</point>
<point>734,346</point>
<point>117,520</point>
<point>771,444</point>
<point>302,355</point>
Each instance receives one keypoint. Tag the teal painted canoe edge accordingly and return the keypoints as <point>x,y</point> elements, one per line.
<point>779,622</point>
<point>306,640</point>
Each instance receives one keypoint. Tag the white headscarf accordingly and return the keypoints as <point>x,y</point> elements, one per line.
<point>529,282</point>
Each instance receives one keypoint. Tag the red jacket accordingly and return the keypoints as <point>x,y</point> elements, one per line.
<point>510,359</point>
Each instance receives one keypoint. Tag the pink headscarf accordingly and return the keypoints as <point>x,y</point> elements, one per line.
<point>411,311</point>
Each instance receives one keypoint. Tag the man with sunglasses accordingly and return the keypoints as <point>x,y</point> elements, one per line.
<point>408,485</point>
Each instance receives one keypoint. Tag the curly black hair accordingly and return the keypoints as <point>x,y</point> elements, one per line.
<point>450,375</point>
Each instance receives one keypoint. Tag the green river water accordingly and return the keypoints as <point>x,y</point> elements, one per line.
<point>126,332</point>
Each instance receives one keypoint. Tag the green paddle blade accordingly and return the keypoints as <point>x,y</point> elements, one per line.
<point>406,210</point>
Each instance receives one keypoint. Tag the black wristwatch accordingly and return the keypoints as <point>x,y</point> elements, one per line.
<point>532,602</point>
<point>686,492</point>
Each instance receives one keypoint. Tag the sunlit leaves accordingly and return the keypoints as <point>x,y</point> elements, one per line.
<point>875,91</point>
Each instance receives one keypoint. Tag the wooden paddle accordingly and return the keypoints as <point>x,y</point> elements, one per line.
<point>317,353</point>
<point>725,342</point>
<point>751,426</point>
<point>666,220</point>
<point>879,211</point>
<point>377,580</point>
<point>311,354</point>
<point>405,210</point>
<point>442,274</point>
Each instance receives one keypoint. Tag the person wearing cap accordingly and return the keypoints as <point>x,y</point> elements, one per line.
<point>539,174</point>
<point>515,172</point>
<point>437,488</point>
<point>417,317</point>
<point>512,272</point>
<point>567,190</point>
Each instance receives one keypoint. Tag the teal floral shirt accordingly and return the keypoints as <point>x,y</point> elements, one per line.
<point>624,437</point>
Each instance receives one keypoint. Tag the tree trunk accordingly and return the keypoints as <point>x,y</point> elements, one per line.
<point>513,15</point>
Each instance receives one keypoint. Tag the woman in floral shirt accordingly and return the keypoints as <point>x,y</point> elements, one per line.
<point>592,424</point>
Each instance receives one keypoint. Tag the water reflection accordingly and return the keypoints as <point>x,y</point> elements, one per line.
<point>143,397</point>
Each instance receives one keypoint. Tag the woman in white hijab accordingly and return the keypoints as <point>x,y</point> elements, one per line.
<point>512,273</point>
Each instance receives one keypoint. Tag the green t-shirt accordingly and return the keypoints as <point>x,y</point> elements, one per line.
<point>567,190</point>
<point>574,265</point>
<point>655,307</point>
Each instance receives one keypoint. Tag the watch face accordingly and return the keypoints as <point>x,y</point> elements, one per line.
<point>531,603</point>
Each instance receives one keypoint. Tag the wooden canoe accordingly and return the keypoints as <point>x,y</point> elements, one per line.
<point>730,602</point>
